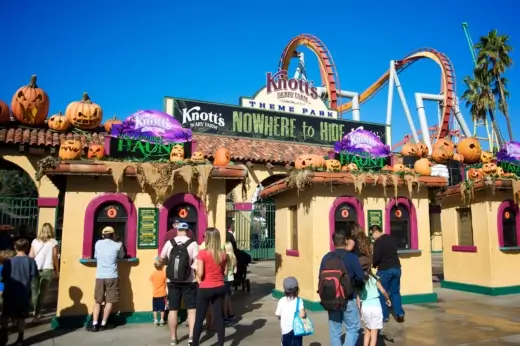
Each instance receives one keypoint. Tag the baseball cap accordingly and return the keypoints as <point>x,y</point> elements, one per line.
<point>183,226</point>
<point>107,230</point>
<point>290,284</point>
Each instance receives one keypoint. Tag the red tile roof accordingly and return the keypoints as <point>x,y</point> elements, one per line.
<point>241,149</point>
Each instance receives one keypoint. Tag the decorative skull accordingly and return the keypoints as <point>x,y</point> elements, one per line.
<point>96,151</point>
<point>197,157</point>
<point>84,114</point>
<point>30,104</point>
<point>70,150</point>
<point>177,153</point>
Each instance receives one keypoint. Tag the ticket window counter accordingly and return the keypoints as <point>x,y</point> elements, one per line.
<point>185,213</point>
<point>345,219</point>
<point>400,227</point>
<point>110,215</point>
<point>509,226</point>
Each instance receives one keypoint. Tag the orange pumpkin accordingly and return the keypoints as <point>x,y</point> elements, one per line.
<point>422,149</point>
<point>500,171</point>
<point>441,155</point>
<point>398,168</point>
<point>222,157</point>
<point>409,149</point>
<point>444,143</point>
<point>197,156</point>
<point>30,104</point>
<point>177,153</point>
<point>332,165</point>
<point>58,122</point>
<point>470,148</point>
<point>489,168</point>
<point>84,114</point>
<point>352,167</point>
<point>110,122</point>
<point>486,156</point>
<point>387,169</point>
<point>458,157</point>
<point>344,168</point>
<point>5,113</point>
<point>423,167</point>
<point>309,161</point>
<point>474,174</point>
<point>96,151</point>
<point>70,150</point>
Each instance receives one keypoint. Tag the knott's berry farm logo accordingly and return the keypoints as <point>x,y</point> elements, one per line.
<point>298,89</point>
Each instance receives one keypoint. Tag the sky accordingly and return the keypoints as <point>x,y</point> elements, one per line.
<point>129,55</point>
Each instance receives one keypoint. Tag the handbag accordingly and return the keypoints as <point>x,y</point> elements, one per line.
<point>301,326</point>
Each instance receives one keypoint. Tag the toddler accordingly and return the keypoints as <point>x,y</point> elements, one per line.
<point>286,309</point>
<point>158,279</point>
<point>231,269</point>
<point>369,304</point>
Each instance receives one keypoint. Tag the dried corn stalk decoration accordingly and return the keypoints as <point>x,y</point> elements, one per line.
<point>204,173</point>
<point>395,182</point>
<point>359,181</point>
<point>299,179</point>
<point>410,179</point>
<point>117,169</point>
<point>384,182</point>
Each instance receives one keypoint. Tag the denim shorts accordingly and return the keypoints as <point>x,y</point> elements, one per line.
<point>229,288</point>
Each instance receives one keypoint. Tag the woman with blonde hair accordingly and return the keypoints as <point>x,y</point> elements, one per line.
<point>211,266</point>
<point>44,250</point>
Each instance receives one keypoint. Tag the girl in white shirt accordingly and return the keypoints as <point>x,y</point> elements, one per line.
<point>44,250</point>
<point>286,309</point>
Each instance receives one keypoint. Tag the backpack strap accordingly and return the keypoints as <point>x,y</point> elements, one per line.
<point>297,306</point>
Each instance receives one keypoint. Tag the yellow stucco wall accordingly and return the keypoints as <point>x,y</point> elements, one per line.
<point>489,266</point>
<point>136,290</point>
<point>314,204</point>
<point>436,232</point>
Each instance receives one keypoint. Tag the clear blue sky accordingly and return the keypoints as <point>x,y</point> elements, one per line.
<point>129,54</point>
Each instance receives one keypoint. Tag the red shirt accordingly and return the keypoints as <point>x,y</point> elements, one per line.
<point>213,273</point>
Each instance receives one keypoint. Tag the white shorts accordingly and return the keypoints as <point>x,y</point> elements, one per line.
<point>372,316</point>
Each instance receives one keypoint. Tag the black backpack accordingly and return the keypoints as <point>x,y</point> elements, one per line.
<point>179,263</point>
<point>334,285</point>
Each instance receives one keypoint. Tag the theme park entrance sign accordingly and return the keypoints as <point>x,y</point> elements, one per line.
<point>508,157</point>
<point>290,95</point>
<point>226,120</point>
<point>364,148</point>
<point>148,135</point>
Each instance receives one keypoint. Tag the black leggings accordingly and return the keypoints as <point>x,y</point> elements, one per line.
<point>215,297</point>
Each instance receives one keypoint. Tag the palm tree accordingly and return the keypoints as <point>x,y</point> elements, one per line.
<point>494,50</point>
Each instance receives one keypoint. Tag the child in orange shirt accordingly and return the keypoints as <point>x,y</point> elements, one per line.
<point>158,279</point>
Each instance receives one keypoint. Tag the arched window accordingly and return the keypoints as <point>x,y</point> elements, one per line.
<point>344,213</point>
<point>184,212</point>
<point>401,222</point>
<point>508,224</point>
<point>111,214</point>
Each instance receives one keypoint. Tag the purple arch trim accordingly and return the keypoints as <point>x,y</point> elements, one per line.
<point>352,201</point>
<point>413,219</point>
<point>500,220</point>
<point>181,198</point>
<point>131,224</point>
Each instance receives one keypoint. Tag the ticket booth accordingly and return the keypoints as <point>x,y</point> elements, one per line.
<point>185,213</point>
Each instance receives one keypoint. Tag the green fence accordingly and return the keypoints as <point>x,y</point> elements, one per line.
<point>19,214</point>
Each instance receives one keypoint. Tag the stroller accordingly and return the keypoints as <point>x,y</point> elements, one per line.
<point>241,280</point>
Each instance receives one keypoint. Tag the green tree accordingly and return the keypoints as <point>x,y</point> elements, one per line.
<point>494,53</point>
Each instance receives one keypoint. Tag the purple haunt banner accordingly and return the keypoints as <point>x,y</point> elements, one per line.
<point>509,152</point>
<point>362,142</point>
<point>152,126</point>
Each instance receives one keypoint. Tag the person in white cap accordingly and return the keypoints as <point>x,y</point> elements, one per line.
<point>286,309</point>
<point>106,252</point>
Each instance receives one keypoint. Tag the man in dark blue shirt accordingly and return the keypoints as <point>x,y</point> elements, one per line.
<point>349,316</point>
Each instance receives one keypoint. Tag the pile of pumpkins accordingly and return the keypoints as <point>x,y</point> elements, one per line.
<point>30,106</point>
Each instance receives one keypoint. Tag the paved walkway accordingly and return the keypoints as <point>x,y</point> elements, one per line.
<point>458,319</point>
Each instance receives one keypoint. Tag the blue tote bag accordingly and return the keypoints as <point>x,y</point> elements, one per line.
<point>301,326</point>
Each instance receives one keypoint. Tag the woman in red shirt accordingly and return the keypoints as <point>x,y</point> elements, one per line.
<point>211,266</point>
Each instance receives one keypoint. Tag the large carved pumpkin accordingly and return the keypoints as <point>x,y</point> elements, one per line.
<point>177,153</point>
<point>409,149</point>
<point>398,168</point>
<point>486,156</point>
<point>96,151</point>
<point>441,155</point>
<point>110,122</point>
<point>422,149</point>
<point>470,148</point>
<point>70,150</point>
<point>309,161</point>
<point>332,165</point>
<point>474,174</point>
<point>84,114</point>
<point>30,104</point>
<point>58,122</point>
<point>444,143</point>
<point>422,167</point>
<point>489,168</point>
<point>222,157</point>
<point>5,113</point>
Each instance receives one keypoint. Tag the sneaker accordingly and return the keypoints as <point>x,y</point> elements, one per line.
<point>95,328</point>
<point>385,320</point>
<point>190,342</point>
<point>156,323</point>
<point>162,323</point>
<point>227,321</point>
<point>400,319</point>
<point>174,342</point>
<point>231,317</point>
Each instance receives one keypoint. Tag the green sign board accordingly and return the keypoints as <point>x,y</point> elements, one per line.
<point>510,167</point>
<point>152,149</point>
<point>375,218</point>
<point>363,162</point>
<point>148,228</point>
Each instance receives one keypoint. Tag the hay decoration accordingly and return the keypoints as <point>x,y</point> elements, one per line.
<point>395,182</point>
<point>299,179</point>
<point>117,169</point>
<point>245,184</point>
<point>359,181</point>
<point>49,162</point>
<point>384,182</point>
<point>204,173</point>
<point>466,189</point>
<point>186,173</point>
<point>410,179</point>
<point>490,183</point>
<point>516,190</point>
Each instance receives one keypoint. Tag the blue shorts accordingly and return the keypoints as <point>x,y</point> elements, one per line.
<point>229,287</point>
<point>159,303</point>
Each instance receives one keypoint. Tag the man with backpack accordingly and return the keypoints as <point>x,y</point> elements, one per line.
<point>180,257</point>
<point>340,273</point>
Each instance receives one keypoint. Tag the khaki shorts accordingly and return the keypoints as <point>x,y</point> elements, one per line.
<point>106,290</point>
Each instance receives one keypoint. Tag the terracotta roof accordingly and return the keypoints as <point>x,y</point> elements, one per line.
<point>499,184</point>
<point>241,149</point>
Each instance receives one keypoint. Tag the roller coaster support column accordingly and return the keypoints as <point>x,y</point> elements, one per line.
<point>460,119</point>
<point>422,115</point>
<point>405,105</point>
<point>355,103</point>
<point>389,103</point>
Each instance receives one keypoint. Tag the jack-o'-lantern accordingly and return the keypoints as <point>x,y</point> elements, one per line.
<point>177,153</point>
<point>458,157</point>
<point>58,122</point>
<point>398,168</point>
<point>84,114</point>
<point>222,157</point>
<point>197,156</point>
<point>474,174</point>
<point>344,168</point>
<point>445,144</point>
<point>441,155</point>
<point>332,165</point>
<point>110,122</point>
<point>387,169</point>
<point>422,149</point>
<point>308,161</point>
<point>486,156</point>
<point>70,150</point>
<point>489,168</point>
<point>96,151</point>
<point>409,149</point>
<point>352,167</point>
<point>500,171</point>
<point>423,167</point>
<point>30,104</point>
<point>5,113</point>
<point>470,148</point>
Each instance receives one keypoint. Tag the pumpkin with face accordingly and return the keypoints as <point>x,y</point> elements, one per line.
<point>398,168</point>
<point>110,122</point>
<point>333,165</point>
<point>422,149</point>
<point>444,143</point>
<point>70,150</point>
<point>458,157</point>
<point>308,161</point>
<point>197,157</point>
<point>84,114</point>
<point>177,153</point>
<point>5,113</point>
<point>500,171</point>
<point>470,148</point>
<point>352,167</point>
<point>423,167</point>
<point>486,156</point>
<point>96,151</point>
<point>441,155</point>
<point>58,122</point>
<point>474,174</point>
<point>409,149</point>
<point>489,168</point>
<point>30,104</point>
<point>222,157</point>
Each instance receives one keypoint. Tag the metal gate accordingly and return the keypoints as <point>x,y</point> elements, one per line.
<point>254,229</point>
<point>18,215</point>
